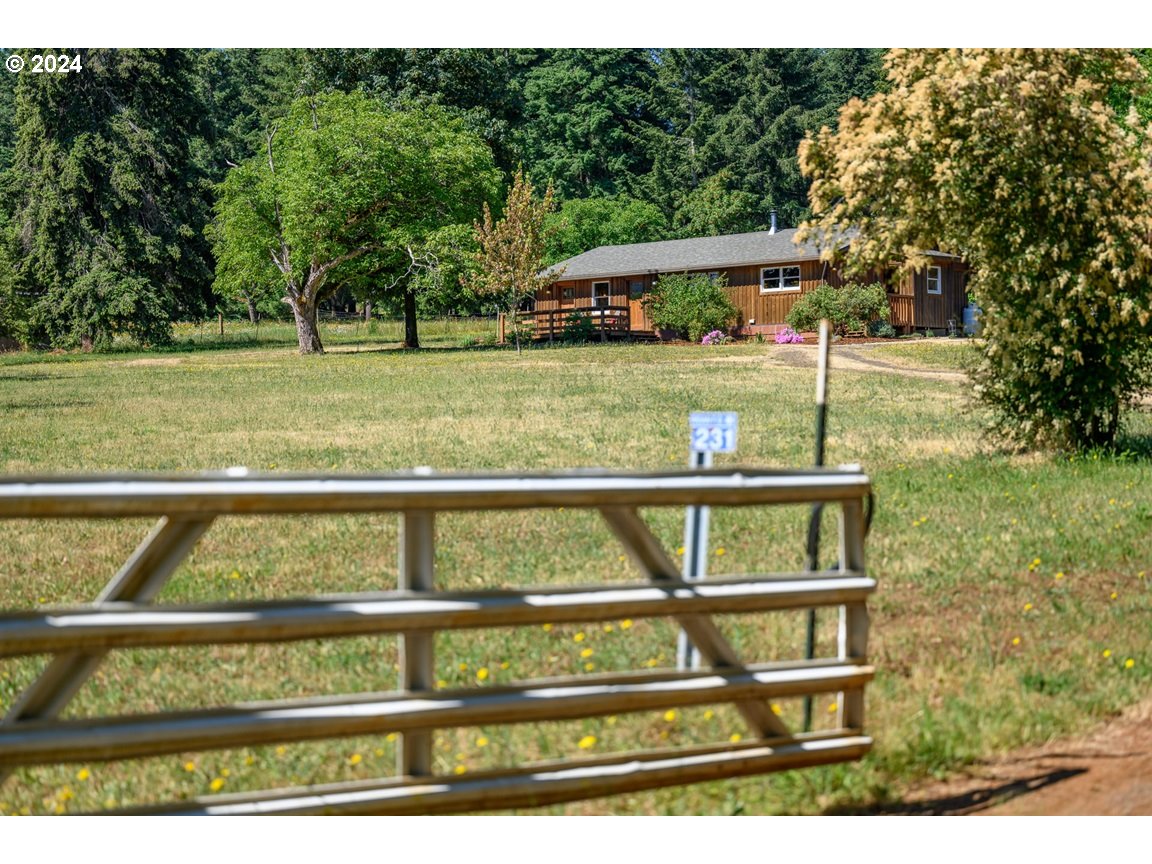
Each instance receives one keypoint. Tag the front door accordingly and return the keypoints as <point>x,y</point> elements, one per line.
<point>637,290</point>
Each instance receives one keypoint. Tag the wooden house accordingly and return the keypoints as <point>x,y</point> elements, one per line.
<point>766,272</point>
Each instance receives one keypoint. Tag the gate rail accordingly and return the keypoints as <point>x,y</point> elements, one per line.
<point>123,616</point>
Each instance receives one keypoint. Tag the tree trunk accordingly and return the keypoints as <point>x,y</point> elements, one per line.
<point>307,330</point>
<point>367,311</point>
<point>253,314</point>
<point>411,337</point>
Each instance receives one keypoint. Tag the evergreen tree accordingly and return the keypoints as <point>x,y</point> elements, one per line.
<point>108,201</point>
<point>588,121</point>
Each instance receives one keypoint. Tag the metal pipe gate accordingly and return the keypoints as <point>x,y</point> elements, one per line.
<point>124,616</point>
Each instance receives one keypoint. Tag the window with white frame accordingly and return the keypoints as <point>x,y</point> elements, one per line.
<point>933,280</point>
<point>600,294</point>
<point>779,279</point>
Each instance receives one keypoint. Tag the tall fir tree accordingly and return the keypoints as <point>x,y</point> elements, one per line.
<point>588,121</point>
<point>109,202</point>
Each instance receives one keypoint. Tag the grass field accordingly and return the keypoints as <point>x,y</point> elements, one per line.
<point>1013,602</point>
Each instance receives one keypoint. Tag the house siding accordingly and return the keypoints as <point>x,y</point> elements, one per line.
<point>912,306</point>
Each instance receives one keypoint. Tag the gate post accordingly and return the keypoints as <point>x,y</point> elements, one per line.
<point>417,662</point>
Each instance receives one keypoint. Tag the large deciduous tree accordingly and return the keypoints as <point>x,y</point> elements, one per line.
<point>345,192</point>
<point>1014,160</point>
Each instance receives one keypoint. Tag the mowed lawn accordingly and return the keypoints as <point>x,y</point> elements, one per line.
<point>1013,603</point>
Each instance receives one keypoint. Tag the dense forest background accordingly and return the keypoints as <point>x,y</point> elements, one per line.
<point>109,176</point>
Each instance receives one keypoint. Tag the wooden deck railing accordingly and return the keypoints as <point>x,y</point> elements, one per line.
<point>123,617</point>
<point>607,321</point>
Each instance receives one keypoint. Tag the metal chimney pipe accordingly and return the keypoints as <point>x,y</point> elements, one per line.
<point>772,215</point>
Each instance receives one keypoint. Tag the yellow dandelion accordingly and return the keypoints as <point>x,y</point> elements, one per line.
<point>281,750</point>
<point>189,767</point>
<point>586,653</point>
<point>1129,663</point>
<point>626,624</point>
<point>1113,595</point>
<point>1059,575</point>
<point>460,769</point>
<point>680,550</point>
<point>1106,653</point>
<point>224,772</point>
<point>720,551</point>
<point>547,628</point>
<point>441,683</point>
<point>709,714</point>
<point>505,665</point>
<point>608,628</point>
<point>217,784</point>
<point>481,741</point>
<point>1027,607</point>
<point>776,709</point>
<point>669,715</point>
<point>390,737</point>
<point>611,720</point>
<point>463,667</point>
<point>1016,640</point>
<point>587,742</point>
<point>60,810</point>
<point>622,558</point>
<point>355,759</point>
<point>833,708</point>
<point>249,760</point>
<point>589,666</point>
<point>579,637</point>
<point>735,737</point>
<point>651,662</point>
<point>235,574</point>
<point>65,793</point>
<point>482,674</point>
<point>83,774</point>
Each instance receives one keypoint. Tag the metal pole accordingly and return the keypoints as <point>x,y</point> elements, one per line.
<point>417,666</point>
<point>695,559</point>
<point>812,564</point>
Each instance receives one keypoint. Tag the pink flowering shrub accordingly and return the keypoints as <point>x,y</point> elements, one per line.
<point>716,337</point>
<point>788,336</point>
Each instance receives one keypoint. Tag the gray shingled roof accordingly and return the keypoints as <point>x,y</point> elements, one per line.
<point>695,253</point>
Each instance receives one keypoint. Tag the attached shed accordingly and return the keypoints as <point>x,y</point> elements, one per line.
<point>766,272</point>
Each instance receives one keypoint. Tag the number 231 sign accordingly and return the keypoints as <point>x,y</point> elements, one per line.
<point>712,431</point>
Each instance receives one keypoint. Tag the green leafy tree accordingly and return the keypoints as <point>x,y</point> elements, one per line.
<point>850,307</point>
<point>1014,160</point>
<point>108,199</point>
<point>585,223</point>
<point>713,208</point>
<point>346,192</point>
<point>692,305</point>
